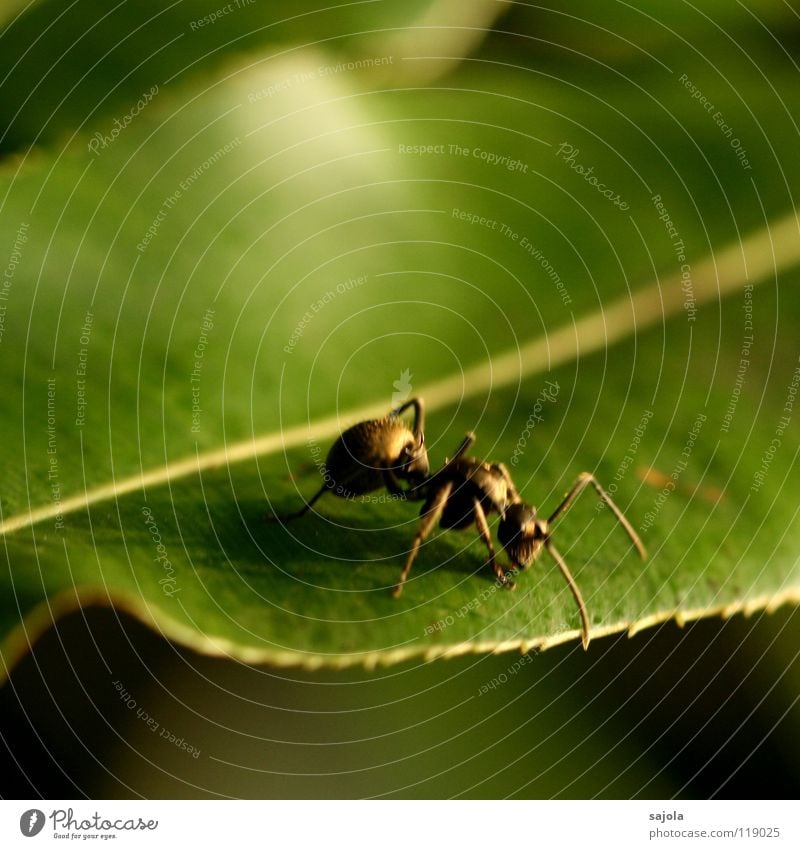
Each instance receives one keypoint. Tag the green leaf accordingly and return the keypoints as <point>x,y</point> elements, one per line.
<point>277,250</point>
<point>11,10</point>
<point>85,66</point>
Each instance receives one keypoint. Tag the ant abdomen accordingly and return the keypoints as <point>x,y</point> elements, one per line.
<point>374,454</point>
<point>357,460</point>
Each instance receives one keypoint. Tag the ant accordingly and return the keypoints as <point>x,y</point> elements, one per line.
<point>372,454</point>
<point>385,452</point>
<point>465,490</point>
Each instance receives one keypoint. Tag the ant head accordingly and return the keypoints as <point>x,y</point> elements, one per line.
<point>413,460</point>
<point>521,533</point>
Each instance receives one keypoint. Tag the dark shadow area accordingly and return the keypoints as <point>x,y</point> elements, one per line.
<point>103,707</point>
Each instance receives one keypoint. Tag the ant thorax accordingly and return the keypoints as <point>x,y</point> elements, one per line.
<point>490,486</point>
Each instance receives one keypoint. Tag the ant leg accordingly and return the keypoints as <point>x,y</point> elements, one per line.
<point>301,512</point>
<point>419,416</point>
<point>585,478</point>
<point>512,489</point>
<point>428,520</point>
<point>576,593</point>
<point>466,444</point>
<point>483,530</point>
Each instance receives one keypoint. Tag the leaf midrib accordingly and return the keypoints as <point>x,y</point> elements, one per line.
<point>752,260</point>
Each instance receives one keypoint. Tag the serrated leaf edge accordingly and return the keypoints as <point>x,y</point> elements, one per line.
<point>22,638</point>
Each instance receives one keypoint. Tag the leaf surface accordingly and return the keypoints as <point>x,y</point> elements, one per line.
<point>265,259</point>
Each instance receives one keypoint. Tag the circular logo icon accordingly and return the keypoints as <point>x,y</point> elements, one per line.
<point>31,822</point>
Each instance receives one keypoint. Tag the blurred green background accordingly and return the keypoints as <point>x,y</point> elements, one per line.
<point>710,709</point>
